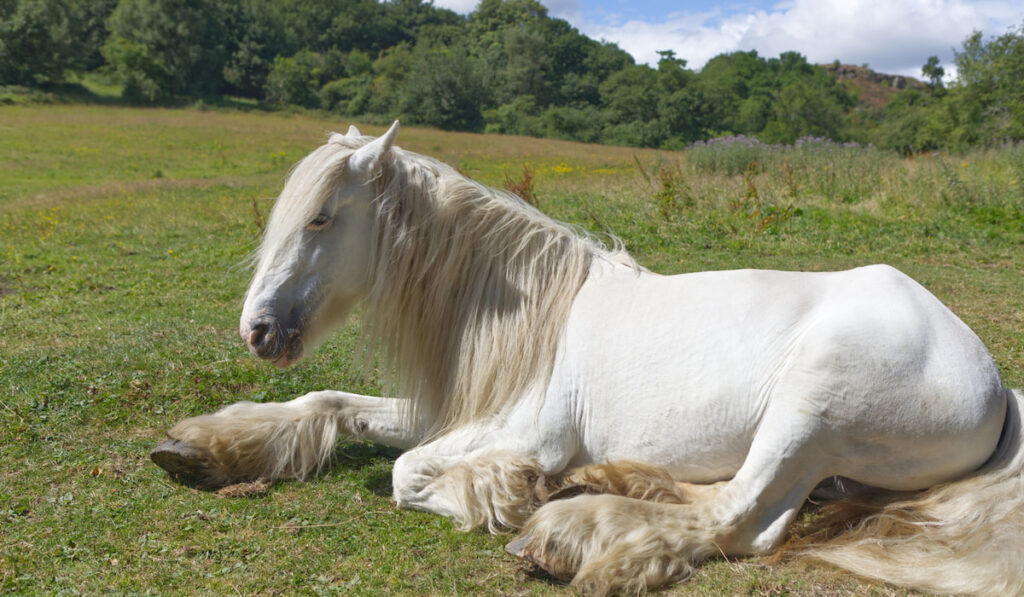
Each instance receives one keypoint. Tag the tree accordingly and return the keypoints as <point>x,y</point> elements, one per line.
<point>88,31</point>
<point>35,42</point>
<point>632,94</point>
<point>445,88</point>
<point>160,48</point>
<point>390,71</point>
<point>933,72</point>
<point>497,15</point>
<point>259,38</point>
<point>527,68</point>
<point>988,94</point>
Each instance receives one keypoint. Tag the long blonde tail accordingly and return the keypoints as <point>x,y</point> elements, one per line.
<point>963,537</point>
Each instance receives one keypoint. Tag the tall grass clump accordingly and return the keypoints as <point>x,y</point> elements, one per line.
<point>728,155</point>
<point>837,171</point>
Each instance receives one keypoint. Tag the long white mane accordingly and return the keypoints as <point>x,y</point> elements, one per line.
<point>471,290</point>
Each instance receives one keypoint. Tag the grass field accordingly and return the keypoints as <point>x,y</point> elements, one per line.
<point>124,235</point>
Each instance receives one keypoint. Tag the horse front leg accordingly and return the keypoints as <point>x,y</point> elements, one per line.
<point>498,490</point>
<point>492,473</point>
<point>295,439</point>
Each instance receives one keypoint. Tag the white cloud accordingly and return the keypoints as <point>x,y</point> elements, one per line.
<point>895,36</point>
<point>892,36</point>
<point>570,10</point>
<point>459,6</point>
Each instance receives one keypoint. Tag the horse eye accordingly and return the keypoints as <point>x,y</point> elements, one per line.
<point>318,222</point>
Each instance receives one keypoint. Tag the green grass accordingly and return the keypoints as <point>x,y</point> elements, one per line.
<point>124,239</point>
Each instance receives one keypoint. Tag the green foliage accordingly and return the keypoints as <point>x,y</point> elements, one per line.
<point>36,41</point>
<point>521,116</point>
<point>580,124</point>
<point>988,95</point>
<point>160,48</point>
<point>983,106</point>
<point>445,89</point>
<point>297,80</point>
<point>506,67</point>
<point>344,95</point>
<point>933,72</point>
<point>259,38</point>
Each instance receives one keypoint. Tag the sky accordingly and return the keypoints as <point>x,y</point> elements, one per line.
<point>894,36</point>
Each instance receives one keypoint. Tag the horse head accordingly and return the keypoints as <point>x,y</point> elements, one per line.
<point>317,256</point>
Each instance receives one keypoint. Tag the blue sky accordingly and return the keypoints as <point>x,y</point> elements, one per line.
<point>894,36</point>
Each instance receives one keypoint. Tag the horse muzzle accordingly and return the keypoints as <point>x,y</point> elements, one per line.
<point>268,340</point>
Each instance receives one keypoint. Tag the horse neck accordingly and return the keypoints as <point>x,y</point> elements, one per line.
<point>472,291</point>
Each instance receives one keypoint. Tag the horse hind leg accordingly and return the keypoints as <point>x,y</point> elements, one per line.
<point>622,477</point>
<point>616,544</point>
<point>501,490</point>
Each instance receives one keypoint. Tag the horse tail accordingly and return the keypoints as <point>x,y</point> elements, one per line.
<point>962,537</point>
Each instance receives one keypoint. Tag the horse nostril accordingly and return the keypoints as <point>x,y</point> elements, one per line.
<point>258,334</point>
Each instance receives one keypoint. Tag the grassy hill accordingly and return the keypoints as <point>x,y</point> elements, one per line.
<point>125,237</point>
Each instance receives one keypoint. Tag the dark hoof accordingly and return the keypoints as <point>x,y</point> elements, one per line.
<point>571,491</point>
<point>547,559</point>
<point>548,489</point>
<point>185,463</point>
<point>517,546</point>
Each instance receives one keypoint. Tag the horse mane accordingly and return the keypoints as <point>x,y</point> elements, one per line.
<point>471,291</point>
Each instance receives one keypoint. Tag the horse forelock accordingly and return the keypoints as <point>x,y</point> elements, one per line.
<point>307,188</point>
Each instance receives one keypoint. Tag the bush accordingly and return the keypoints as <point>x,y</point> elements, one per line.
<point>296,80</point>
<point>518,117</point>
<point>636,134</point>
<point>343,95</point>
<point>577,124</point>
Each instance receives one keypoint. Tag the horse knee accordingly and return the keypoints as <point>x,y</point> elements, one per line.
<point>496,490</point>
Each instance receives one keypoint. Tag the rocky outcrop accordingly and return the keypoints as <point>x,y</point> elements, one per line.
<point>874,88</point>
<point>848,71</point>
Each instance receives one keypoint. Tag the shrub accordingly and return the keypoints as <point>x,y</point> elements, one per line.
<point>296,80</point>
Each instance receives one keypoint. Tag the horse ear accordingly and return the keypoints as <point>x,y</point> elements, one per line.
<point>366,158</point>
<point>353,131</point>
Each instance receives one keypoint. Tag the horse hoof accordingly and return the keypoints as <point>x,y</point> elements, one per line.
<point>571,491</point>
<point>183,461</point>
<point>547,559</point>
<point>517,546</point>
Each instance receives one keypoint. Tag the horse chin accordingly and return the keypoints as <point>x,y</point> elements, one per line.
<point>284,362</point>
<point>292,351</point>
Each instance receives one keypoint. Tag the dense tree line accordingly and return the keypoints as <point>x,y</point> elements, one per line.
<point>507,67</point>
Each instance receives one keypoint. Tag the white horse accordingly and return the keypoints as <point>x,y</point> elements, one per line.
<point>630,424</point>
